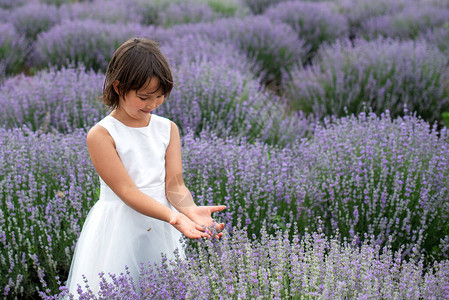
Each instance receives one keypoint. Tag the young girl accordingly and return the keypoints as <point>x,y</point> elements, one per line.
<point>144,206</point>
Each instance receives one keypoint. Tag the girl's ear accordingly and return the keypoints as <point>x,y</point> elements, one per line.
<point>115,85</point>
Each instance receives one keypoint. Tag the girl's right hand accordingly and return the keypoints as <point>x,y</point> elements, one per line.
<point>187,227</point>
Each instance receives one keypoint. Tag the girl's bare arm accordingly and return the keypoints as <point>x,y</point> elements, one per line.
<point>110,168</point>
<point>177,193</point>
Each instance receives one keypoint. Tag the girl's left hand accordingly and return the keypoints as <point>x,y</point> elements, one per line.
<point>201,215</point>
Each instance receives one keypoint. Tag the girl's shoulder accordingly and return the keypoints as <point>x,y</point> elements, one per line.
<point>105,122</point>
<point>99,135</point>
<point>103,129</point>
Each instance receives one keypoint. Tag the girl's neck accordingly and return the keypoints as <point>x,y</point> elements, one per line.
<point>129,121</point>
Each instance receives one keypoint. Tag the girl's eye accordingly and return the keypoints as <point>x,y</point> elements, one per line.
<point>146,98</point>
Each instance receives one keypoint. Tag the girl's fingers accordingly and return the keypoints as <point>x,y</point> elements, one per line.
<point>202,231</point>
<point>205,235</point>
<point>217,208</point>
<point>219,227</point>
<point>218,236</point>
<point>200,228</point>
<point>197,235</point>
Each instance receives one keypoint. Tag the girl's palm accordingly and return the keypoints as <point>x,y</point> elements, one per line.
<point>187,227</point>
<point>202,215</point>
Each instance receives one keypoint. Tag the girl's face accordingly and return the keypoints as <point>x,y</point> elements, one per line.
<point>138,104</point>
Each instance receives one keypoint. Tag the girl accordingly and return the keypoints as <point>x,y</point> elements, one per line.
<point>144,206</point>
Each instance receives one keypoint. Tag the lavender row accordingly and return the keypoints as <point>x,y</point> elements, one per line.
<point>384,177</point>
<point>398,18</point>
<point>88,42</point>
<point>324,21</point>
<point>225,118</point>
<point>377,77</point>
<point>218,97</point>
<point>380,74</point>
<point>309,265</point>
<point>163,13</point>
<point>47,186</point>
<point>407,23</point>
<point>167,13</point>
<point>369,19</point>
<point>387,178</point>
<point>52,100</point>
<point>272,46</point>
<point>316,23</point>
<point>275,43</point>
<point>13,50</point>
<point>369,174</point>
<point>230,103</point>
<point>438,36</point>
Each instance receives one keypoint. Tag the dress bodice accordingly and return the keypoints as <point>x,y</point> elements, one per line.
<point>141,149</point>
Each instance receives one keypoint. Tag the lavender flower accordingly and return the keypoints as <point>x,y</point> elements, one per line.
<point>380,74</point>
<point>274,45</point>
<point>360,175</point>
<point>51,100</point>
<point>254,181</point>
<point>314,22</point>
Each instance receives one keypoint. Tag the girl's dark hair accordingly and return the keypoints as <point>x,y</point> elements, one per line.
<point>135,62</point>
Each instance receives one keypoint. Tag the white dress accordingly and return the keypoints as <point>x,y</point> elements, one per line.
<point>115,235</point>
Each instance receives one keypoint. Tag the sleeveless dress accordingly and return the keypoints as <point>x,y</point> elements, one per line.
<point>114,234</point>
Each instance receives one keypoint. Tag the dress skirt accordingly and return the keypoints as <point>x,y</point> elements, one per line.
<point>114,236</point>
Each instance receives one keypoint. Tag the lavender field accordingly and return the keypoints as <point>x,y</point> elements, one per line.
<point>321,125</point>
